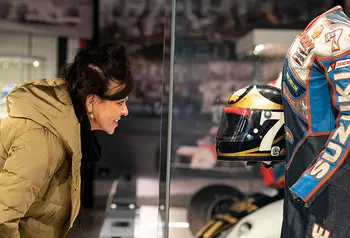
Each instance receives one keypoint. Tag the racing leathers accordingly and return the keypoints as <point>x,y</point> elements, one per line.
<point>316,98</point>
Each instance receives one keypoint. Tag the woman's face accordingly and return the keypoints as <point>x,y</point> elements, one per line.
<point>104,114</point>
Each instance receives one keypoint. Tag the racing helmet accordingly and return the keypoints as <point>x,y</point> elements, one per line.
<point>252,126</point>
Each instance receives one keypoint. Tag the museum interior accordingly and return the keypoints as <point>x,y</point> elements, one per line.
<point>160,174</point>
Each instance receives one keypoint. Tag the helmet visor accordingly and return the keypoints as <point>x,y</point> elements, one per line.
<point>235,124</point>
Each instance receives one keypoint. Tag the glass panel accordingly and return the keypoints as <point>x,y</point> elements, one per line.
<point>132,155</point>
<point>206,74</point>
<point>220,47</point>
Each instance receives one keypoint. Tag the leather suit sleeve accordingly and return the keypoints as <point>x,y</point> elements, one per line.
<point>329,163</point>
<point>25,171</point>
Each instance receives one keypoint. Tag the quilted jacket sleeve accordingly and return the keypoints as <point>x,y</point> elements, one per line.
<point>26,169</point>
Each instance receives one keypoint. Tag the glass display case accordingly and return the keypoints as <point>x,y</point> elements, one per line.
<point>218,48</point>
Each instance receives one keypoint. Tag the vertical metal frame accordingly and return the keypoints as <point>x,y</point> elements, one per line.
<point>170,118</point>
<point>166,123</point>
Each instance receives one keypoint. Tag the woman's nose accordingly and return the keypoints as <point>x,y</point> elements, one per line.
<point>125,111</point>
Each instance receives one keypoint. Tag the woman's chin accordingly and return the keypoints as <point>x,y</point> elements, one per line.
<point>109,131</point>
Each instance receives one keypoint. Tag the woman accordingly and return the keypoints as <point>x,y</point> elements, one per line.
<point>48,136</point>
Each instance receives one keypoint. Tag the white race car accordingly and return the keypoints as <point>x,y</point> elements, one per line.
<point>228,215</point>
<point>263,223</point>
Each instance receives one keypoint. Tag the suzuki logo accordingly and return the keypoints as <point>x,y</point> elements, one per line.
<point>319,232</point>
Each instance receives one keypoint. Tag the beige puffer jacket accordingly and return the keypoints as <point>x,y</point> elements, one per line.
<point>40,157</point>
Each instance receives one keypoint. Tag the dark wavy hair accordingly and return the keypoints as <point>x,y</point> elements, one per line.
<point>93,71</point>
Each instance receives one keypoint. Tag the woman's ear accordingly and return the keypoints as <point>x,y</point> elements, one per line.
<point>90,100</point>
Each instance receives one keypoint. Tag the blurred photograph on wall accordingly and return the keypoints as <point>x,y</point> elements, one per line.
<point>70,18</point>
<point>140,23</point>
